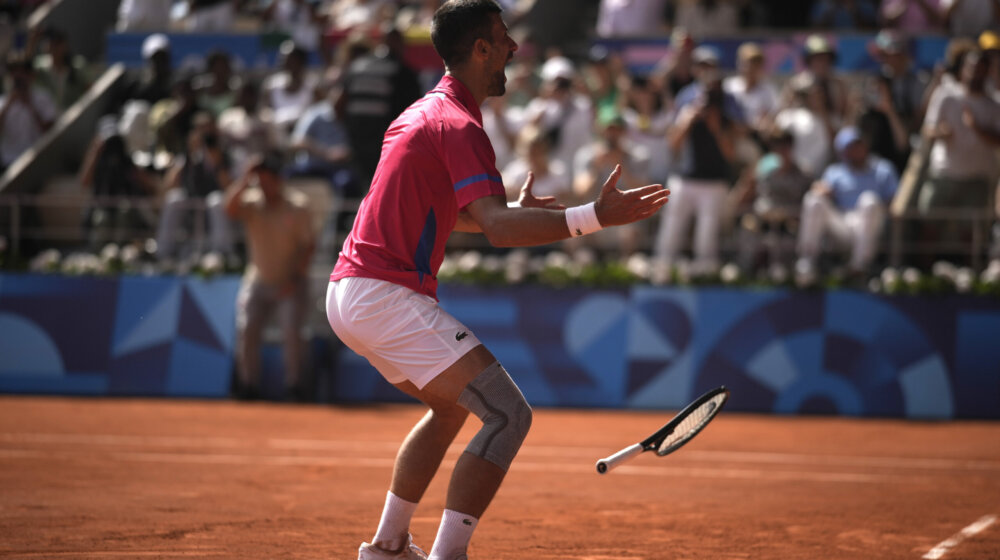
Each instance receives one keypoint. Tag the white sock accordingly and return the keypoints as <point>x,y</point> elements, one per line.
<point>395,524</point>
<point>453,535</point>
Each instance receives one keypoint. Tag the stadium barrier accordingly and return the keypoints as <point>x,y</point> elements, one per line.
<point>779,351</point>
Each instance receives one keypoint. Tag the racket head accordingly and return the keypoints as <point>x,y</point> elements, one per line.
<point>687,423</point>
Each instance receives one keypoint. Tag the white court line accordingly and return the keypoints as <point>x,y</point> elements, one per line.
<point>951,542</point>
<point>778,458</point>
<point>547,467</point>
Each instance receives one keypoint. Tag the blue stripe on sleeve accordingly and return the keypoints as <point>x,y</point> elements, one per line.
<point>475,179</point>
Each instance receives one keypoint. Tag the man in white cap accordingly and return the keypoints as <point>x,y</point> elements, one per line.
<point>563,114</point>
<point>848,205</point>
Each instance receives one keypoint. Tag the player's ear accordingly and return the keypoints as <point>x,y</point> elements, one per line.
<point>481,48</point>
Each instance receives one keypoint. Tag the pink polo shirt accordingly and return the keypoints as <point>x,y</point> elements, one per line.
<point>436,159</point>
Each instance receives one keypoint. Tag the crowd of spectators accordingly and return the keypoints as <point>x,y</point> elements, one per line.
<point>780,173</point>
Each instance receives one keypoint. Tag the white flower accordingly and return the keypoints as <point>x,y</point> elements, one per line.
<point>911,276</point>
<point>130,255</point>
<point>778,273</point>
<point>945,270</point>
<point>992,273</point>
<point>639,265</point>
<point>875,286</point>
<point>470,261</point>
<point>46,261</point>
<point>110,252</point>
<point>584,256</point>
<point>890,278</point>
<point>449,266</point>
<point>730,273</point>
<point>558,259</point>
<point>83,263</point>
<point>211,263</point>
<point>684,272</point>
<point>659,273</point>
<point>964,279</point>
<point>492,263</point>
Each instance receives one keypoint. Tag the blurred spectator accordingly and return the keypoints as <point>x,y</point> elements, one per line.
<point>708,18</point>
<point>969,18</point>
<point>369,14</point>
<point>26,110</point>
<point>989,43</point>
<point>534,156</point>
<point>216,88</point>
<point>323,150</point>
<point>593,164</point>
<point>173,118</point>
<point>631,18</point>
<point>880,124</point>
<point>144,15</point>
<point>59,72</point>
<point>563,114</point>
<point>290,91</point>
<point>155,82</point>
<point>300,19</point>
<point>848,206</point>
<point>210,16</point>
<point>377,88</point>
<point>778,187</point>
<point>676,70</point>
<point>962,124</point>
<point>108,172</point>
<point>809,121</point>
<point>199,175</point>
<point>647,120</point>
<point>706,70</point>
<point>501,124</point>
<point>844,15</point>
<point>757,97</point>
<point>417,15</point>
<point>914,17</point>
<point>281,244</point>
<point>707,138</point>
<point>819,57</point>
<point>603,75</point>
<point>245,129</point>
<point>906,84</point>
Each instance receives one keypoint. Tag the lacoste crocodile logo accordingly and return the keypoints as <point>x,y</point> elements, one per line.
<point>461,335</point>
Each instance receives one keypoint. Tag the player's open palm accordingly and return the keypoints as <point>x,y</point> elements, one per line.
<point>616,207</point>
<point>527,198</point>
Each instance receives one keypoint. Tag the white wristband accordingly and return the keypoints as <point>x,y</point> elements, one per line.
<point>515,204</point>
<point>582,220</point>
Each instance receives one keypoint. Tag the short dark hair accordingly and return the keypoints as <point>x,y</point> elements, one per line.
<point>456,26</point>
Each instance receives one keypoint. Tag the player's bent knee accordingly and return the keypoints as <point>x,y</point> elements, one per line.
<point>506,416</point>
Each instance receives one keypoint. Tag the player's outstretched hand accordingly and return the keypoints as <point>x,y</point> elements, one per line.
<point>527,199</point>
<point>616,207</point>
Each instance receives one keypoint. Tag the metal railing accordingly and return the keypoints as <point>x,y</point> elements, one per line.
<point>61,218</point>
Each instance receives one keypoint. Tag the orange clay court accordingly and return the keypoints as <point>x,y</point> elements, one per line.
<point>110,478</point>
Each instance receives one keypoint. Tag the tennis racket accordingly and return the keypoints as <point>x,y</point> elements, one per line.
<point>675,433</point>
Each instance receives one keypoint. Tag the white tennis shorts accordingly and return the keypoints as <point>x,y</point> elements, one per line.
<point>404,334</point>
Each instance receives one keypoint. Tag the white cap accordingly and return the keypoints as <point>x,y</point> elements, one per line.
<point>557,67</point>
<point>154,43</point>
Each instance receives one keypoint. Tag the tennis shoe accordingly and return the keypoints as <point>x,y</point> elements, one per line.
<point>409,552</point>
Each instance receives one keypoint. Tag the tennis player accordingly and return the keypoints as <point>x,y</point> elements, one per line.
<point>436,175</point>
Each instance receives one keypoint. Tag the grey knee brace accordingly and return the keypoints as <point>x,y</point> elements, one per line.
<point>506,416</point>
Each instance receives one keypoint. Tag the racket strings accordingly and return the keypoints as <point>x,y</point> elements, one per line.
<point>692,423</point>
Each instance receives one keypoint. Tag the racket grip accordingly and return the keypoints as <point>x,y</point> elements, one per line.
<point>606,464</point>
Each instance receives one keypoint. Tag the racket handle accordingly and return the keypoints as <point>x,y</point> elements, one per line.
<point>608,463</point>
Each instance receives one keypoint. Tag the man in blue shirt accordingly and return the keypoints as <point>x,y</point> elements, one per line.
<point>847,205</point>
<point>322,149</point>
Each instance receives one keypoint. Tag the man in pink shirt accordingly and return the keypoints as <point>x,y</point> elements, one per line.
<point>437,174</point>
